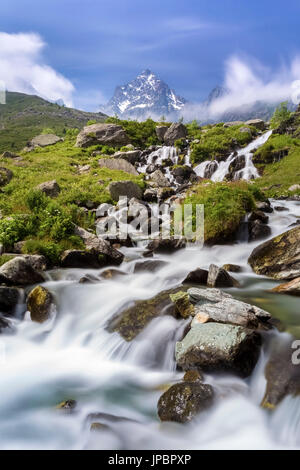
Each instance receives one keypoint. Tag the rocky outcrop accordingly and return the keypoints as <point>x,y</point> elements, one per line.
<point>175,131</point>
<point>131,156</point>
<point>125,188</point>
<point>257,123</point>
<point>40,304</point>
<point>219,347</point>
<point>279,257</point>
<point>183,401</point>
<point>105,134</point>
<point>5,176</point>
<point>19,271</point>
<point>161,132</point>
<point>118,164</point>
<point>43,140</point>
<point>291,288</point>
<point>159,179</point>
<point>50,188</point>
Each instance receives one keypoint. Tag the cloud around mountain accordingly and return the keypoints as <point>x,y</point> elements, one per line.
<point>23,69</point>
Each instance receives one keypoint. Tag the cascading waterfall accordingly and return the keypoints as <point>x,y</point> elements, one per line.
<point>74,357</point>
<point>249,171</point>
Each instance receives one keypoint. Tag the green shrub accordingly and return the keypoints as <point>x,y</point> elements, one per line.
<point>91,122</point>
<point>36,200</point>
<point>15,229</point>
<point>141,134</point>
<point>52,251</point>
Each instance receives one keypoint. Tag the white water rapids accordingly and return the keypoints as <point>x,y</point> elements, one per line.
<point>74,357</point>
<point>222,168</point>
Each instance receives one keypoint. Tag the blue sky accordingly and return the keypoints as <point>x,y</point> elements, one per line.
<point>98,44</point>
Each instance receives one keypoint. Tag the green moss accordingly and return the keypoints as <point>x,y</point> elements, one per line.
<point>225,205</point>
<point>218,141</point>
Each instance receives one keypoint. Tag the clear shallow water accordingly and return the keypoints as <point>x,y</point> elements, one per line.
<point>74,357</point>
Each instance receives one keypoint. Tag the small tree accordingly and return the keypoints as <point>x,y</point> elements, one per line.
<point>281,115</point>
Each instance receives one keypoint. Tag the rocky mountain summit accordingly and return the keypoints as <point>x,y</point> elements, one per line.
<point>146,95</point>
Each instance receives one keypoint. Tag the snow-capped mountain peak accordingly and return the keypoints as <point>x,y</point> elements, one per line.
<point>146,95</point>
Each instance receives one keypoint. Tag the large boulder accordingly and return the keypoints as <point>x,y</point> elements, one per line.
<point>125,188</point>
<point>257,123</point>
<point>166,245</point>
<point>279,257</point>
<point>183,401</point>
<point>161,132</point>
<point>132,156</point>
<point>50,188</point>
<point>43,140</point>
<point>159,179</point>
<point>175,132</point>
<point>81,259</point>
<point>5,176</point>
<point>118,164</point>
<point>19,271</point>
<point>233,123</point>
<point>104,134</point>
<point>40,304</point>
<point>198,276</point>
<point>184,174</point>
<point>101,248</point>
<point>219,347</point>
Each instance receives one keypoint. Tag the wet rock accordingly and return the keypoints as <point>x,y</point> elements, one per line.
<point>183,401</point>
<point>182,303</point>
<point>5,176</point>
<point>283,377</point>
<point>104,134</point>
<point>149,265</point>
<point>183,174</point>
<point>166,245</point>
<point>232,268</point>
<point>264,206</point>
<point>150,195</point>
<point>4,323</point>
<point>89,279</point>
<point>258,215</point>
<point>82,259</point>
<point>210,169</point>
<point>175,132</point>
<point>67,406</point>
<point>291,288</point>
<point>159,179</point>
<point>118,164</point>
<point>40,304</point>
<point>198,276</point>
<point>161,132</point>
<point>112,273</point>
<point>258,230</point>
<point>20,272</point>
<point>50,188</point>
<point>125,188</point>
<point>219,347</point>
<point>165,193</point>
<point>218,277</point>
<point>279,257</point>
<point>9,299</point>
<point>236,165</point>
<point>193,376</point>
<point>281,209</point>
<point>133,320</point>
<point>37,262</point>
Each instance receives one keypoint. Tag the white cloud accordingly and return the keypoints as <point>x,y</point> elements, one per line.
<point>186,24</point>
<point>249,81</point>
<point>22,68</point>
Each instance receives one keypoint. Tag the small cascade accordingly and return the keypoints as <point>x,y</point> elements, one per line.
<point>222,169</point>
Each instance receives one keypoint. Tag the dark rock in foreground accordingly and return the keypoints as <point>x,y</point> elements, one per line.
<point>183,401</point>
<point>40,304</point>
<point>279,257</point>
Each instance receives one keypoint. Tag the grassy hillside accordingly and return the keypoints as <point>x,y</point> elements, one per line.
<point>25,116</point>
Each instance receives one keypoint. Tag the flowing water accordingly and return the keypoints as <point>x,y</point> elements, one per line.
<point>248,172</point>
<point>73,357</point>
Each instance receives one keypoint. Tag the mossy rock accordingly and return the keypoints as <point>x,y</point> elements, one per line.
<point>40,304</point>
<point>133,320</point>
<point>183,305</point>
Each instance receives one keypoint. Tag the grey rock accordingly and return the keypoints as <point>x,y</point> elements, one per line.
<point>118,164</point>
<point>9,299</point>
<point>175,132</point>
<point>219,347</point>
<point>218,277</point>
<point>264,206</point>
<point>125,188</point>
<point>198,276</point>
<point>19,271</point>
<point>201,296</point>
<point>258,230</point>
<point>101,248</point>
<point>159,179</point>
<point>105,134</point>
<point>161,132</point>
<point>132,156</point>
<point>257,123</point>
<point>50,188</point>
<point>43,140</point>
